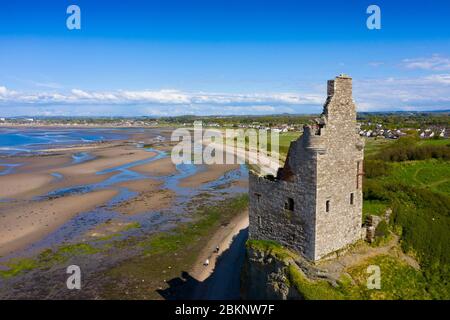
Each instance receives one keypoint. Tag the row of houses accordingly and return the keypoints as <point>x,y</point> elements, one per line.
<point>434,132</point>
<point>278,128</point>
<point>81,123</point>
<point>427,133</point>
<point>380,132</point>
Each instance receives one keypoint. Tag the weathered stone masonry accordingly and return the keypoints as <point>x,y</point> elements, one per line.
<point>314,204</point>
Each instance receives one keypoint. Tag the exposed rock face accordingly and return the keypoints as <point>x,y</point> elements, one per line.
<point>264,278</point>
<point>372,223</point>
<point>314,206</point>
<point>265,275</point>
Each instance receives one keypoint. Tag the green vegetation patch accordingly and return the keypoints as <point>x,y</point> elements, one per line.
<point>167,254</point>
<point>271,247</point>
<point>285,141</point>
<point>205,219</point>
<point>374,207</point>
<point>416,186</point>
<point>46,259</point>
<point>398,281</point>
<point>17,266</point>
<point>374,145</point>
<point>408,148</point>
<point>131,226</point>
<point>312,290</point>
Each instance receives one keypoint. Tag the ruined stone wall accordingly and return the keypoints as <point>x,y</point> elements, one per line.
<point>322,166</point>
<point>270,220</point>
<point>337,172</point>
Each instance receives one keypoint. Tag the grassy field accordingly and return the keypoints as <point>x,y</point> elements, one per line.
<point>373,145</point>
<point>418,191</point>
<point>285,140</point>
<point>430,174</point>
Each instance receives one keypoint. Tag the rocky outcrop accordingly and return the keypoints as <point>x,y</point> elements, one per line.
<point>372,222</point>
<point>267,269</point>
<point>264,277</point>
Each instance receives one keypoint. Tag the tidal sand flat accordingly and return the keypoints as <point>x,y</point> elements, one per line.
<point>100,197</point>
<point>162,167</point>
<point>20,184</point>
<point>108,158</point>
<point>23,224</point>
<point>48,187</point>
<point>211,173</point>
<point>150,197</point>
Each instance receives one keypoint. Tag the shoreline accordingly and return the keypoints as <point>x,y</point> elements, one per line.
<point>223,237</point>
<point>119,179</point>
<point>26,218</point>
<point>40,220</point>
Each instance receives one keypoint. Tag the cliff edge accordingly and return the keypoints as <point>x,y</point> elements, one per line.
<point>273,272</point>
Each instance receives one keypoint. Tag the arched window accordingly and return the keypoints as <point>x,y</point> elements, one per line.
<point>327,206</point>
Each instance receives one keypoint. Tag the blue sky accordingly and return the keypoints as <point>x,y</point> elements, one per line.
<point>172,57</point>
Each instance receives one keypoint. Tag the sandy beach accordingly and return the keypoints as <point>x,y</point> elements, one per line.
<point>17,185</point>
<point>162,167</point>
<point>150,197</point>
<point>119,188</point>
<point>222,238</point>
<point>25,223</point>
<point>24,220</point>
<point>211,173</point>
<point>108,158</point>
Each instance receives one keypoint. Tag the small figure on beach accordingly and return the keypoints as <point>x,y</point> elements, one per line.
<point>206,263</point>
<point>217,249</point>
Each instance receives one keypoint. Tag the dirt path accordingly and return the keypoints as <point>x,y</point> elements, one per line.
<point>265,163</point>
<point>335,267</point>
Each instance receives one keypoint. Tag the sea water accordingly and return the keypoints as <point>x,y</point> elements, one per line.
<point>13,141</point>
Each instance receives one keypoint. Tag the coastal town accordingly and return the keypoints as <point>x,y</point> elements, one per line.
<point>369,129</point>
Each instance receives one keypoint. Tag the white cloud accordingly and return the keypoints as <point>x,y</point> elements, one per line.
<point>172,97</point>
<point>434,63</point>
<point>3,91</point>
<point>422,93</point>
<point>439,79</point>
<point>372,94</point>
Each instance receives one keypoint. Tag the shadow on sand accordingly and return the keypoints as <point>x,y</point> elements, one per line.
<point>222,284</point>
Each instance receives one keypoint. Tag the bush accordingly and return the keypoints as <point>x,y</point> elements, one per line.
<point>374,190</point>
<point>407,150</point>
<point>375,168</point>
<point>382,229</point>
<point>420,211</point>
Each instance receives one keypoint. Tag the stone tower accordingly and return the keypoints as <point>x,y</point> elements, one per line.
<point>314,204</point>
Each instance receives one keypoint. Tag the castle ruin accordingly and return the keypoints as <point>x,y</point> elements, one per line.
<point>314,204</point>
